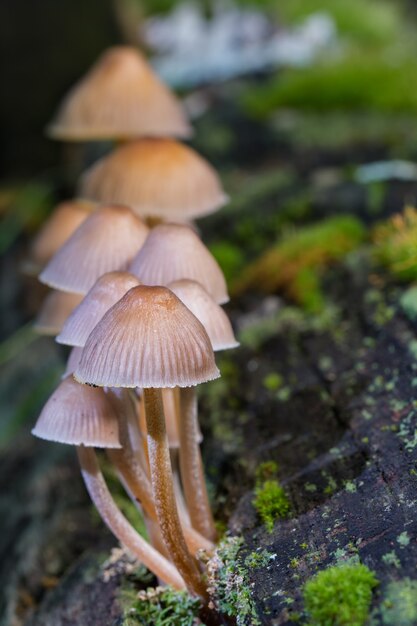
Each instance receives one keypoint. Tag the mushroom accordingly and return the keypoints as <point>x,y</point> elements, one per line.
<point>54,311</point>
<point>157,178</point>
<point>85,417</point>
<point>72,361</point>
<point>174,251</point>
<point>119,98</point>
<point>220,332</point>
<point>149,339</point>
<point>106,241</point>
<point>60,225</point>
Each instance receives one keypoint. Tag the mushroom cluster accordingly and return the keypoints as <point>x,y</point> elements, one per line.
<point>136,295</point>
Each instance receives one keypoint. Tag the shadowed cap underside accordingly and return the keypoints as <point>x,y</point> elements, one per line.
<point>156,178</point>
<point>148,339</point>
<point>54,311</point>
<point>119,98</point>
<point>172,252</point>
<point>72,361</point>
<point>210,314</point>
<point>63,221</point>
<point>105,292</point>
<point>79,415</point>
<point>105,242</point>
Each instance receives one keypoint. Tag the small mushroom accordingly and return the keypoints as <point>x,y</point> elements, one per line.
<point>174,251</point>
<point>85,417</point>
<point>55,309</point>
<point>157,178</point>
<point>106,241</point>
<point>119,98</point>
<point>149,339</point>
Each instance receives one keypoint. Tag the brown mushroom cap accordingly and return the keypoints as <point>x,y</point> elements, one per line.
<point>106,241</point>
<point>156,178</point>
<point>54,311</point>
<point>174,251</point>
<point>105,292</point>
<point>148,339</point>
<point>79,415</point>
<point>59,226</point>
<point>120,97</point>
<point>210,314</point>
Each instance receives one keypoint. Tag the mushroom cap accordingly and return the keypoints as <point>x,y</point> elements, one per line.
<point>59,226</point>
<point>120,97</point>
<point>210,314</point>
<point>174,251</point>
<point>156,178</point>
<point>79,415</point>
<point>72,361</point>
<point>148,339</point>
<point>54,311</point>
<point>106,241</point>
<point>103,294</point>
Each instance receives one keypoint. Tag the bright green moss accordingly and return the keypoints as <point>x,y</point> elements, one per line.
<point>162,607</point>
<point>396,245</point>
<point>294,264</point>
<point>271,502</point>
<point>340,596</point>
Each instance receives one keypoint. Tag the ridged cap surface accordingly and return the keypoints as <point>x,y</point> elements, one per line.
<point>104,293</point>
<point>148,339</point>
<point>210,314</point>
<point>156,178</point>
<point>172,252</point>
<point>79,415</point>
<point>119,98</point>
<point>105,242</point>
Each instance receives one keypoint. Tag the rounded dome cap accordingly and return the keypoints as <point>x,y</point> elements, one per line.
<point>174,251</point>
<point>148,339</point>
<point>54,311</point>
<point>106,241</point>
<point>79,415</point>
<point>119,98</point>
<point>156,178</point>
<point>63,221</point>
<point>105,292</point>
<point>210,314</point>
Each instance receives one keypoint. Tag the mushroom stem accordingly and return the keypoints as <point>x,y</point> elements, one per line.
<point>164,498</point>
<point>118,524</point>
<point>192,472</point>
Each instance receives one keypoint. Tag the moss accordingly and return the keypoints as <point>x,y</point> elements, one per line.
<point>271,502</point>
<point>399,604</point>
<point>293,265</point>
<point>396,244</point>
<point>230,258</point>
<point>266,471</point>
<point>273,381</point>
<point>162,606</point>
<point>340,596</point>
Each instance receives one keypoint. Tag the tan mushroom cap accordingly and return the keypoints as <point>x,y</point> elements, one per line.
<point>59,226</point>
<point>55,309</point>
<point>156,178</point>
<point>119,98</point>
<point>210,314</point>
<point>174,251</point>
<point>105,242</point>
<point>148,339</point>
<point>103,294</point>
<point>79,415</point>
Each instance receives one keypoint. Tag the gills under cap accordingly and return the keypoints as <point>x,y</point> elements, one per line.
<point>79,415</point>
<point>54,311</point>
<point>119,98</point>
<point>106,241</point>
<point>210,314</point>
<point>105,292</point>
<point>63,221</point>
<point>174,251</point>
<point>157,178</point>
<point>148,339</point>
